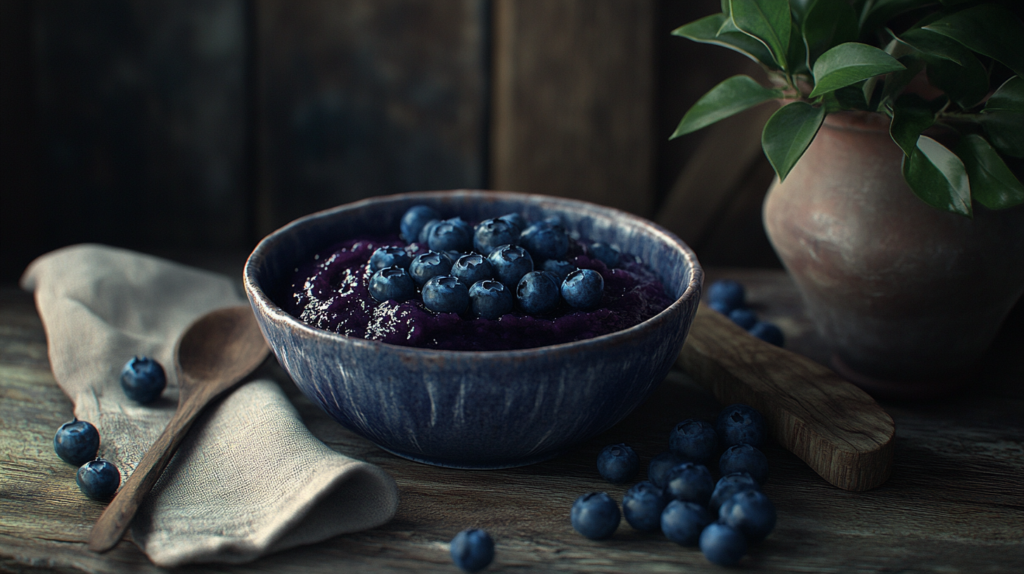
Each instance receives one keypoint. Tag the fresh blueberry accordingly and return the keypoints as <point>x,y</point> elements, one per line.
<point>583,288</point>
<point>720,307</point>
<point>694,440</point>
<point>537,293</point>
<point>659,467</point>
<point>76,442</point>
<point>682,522</point>
<point>490,299</point>
<point>743,317</point>
<point>424,236</point>
<point>143,379</point>
<point>471,268</point>
<point>545,241</point>
<point>642,505</point>
<point>389,256</point>
<point>472,550</point>
<point>392,283</point>
<point>727,292</point>
<point>729,485</point>
<point>553,220</point>
<point>414,219</point>
<point>595,515</point>
<point>690,482</point>
<point>515,219</point>
<point>768,332</point>
<point>605,253</point>
<point>493,233</point>
<point>98,479</point>
<point>429,264</point>
<point>739,423</point>
<point>722,544</point>
<point>558,268</point>
<point>510,263</point>
<point>446,294</point>
<point>618,463</point>
<point>751,513</point>
<point>451,235</point>
<point>744,458</point>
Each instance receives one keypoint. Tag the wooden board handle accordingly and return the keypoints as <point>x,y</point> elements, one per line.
<point>833,426</point>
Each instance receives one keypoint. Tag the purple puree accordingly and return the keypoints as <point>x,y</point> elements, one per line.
<point>330,292</point>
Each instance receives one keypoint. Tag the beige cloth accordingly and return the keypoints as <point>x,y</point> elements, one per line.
<point>249,479</point>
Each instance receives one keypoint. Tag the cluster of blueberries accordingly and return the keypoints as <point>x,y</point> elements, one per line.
<point>78,442</point>
<point>729,298</point>
<point>486,270</point>
<point>681,498</point>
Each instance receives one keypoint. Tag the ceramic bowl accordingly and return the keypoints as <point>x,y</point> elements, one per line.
<point>469,409</point>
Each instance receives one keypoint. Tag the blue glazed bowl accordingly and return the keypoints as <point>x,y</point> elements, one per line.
<point>470,409</point>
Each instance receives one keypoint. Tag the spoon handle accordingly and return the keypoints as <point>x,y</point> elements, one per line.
<point>118,515</point>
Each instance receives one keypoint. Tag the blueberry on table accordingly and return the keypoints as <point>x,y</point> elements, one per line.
<point>729,485</point>
<point>414,219</point>
<point>682,522</point>
<point>490,234</point>
<point>642,505</point>
<point>659,467</point>
<point>750,512</point>
<point>694,440</point>
<point>510,263</point>
<point>690,482</point>
<point>472,550</point>
<point>537,293</point>
<point>392,283</point>
<point>739,423</point>
<point>98,479</point>
<point>451,235</point>
<point>545,241</point>
<point>722,544</point>
<point>143,379</point>
<point>605,253</point>
<point>389,256</point>
<point>76,442</point>
<point>743,317</point>
<point>595,515</point>
<point>490,299</point>
<point>617,463</point>
<point>471,268</point>
<point>558,268</point>
<point>744,458</point>
<point>720,307</point>
<point>768,332</point>
<point>429,264</point>
<point>728,293</point>
<point>446,294</point>
<point>583,289</point>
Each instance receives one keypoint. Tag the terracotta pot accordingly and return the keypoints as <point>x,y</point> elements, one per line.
<point>909,297</point>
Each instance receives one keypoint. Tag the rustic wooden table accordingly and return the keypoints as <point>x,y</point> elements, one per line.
<point>954,502</point>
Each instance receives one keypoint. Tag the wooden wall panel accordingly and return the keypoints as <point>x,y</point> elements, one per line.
<point>367,97</point>
<point>573,100</point>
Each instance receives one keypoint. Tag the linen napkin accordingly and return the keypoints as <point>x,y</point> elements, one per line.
<point>249,479</point>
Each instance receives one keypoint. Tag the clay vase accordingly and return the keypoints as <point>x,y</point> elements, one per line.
<point>907,296</point>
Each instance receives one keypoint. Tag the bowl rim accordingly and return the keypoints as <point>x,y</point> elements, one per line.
<point>258,297</point>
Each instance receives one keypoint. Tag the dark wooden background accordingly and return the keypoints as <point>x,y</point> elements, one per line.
<point>178,126</point>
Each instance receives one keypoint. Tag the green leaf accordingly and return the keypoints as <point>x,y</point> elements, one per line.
<point>910,116</point>
<point>1008,97</point>
<point>730,97</point>
<point>992,182</point>
<point>938,177</point>
<point>966,85</point>
<point>796,59</point>
<point>1005,131</point>
<point>895,82</point>
<point>706,29</point>
<point>787,134</point>
<point>827,23</point>
<point>767,20</point>
<point>876,14</point>
<point>988,29</point>
<point>932,44</point>
<point>848,64</point>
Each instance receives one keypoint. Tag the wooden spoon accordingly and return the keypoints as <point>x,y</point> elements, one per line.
<point>213,355</point>
<point>832,425</point>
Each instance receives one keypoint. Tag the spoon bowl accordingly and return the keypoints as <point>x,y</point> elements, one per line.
<point>215,353</point>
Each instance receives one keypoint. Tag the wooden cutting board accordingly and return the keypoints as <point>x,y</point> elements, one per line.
<point>832,425</point>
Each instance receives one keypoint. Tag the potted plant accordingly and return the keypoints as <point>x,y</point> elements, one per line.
<point>897,146</point>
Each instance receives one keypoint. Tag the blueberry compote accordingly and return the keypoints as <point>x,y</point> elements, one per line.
<point>331,292</point>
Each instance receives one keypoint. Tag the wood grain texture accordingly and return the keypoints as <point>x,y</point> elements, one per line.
<point>573,100</point>
<point>833,426</point>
